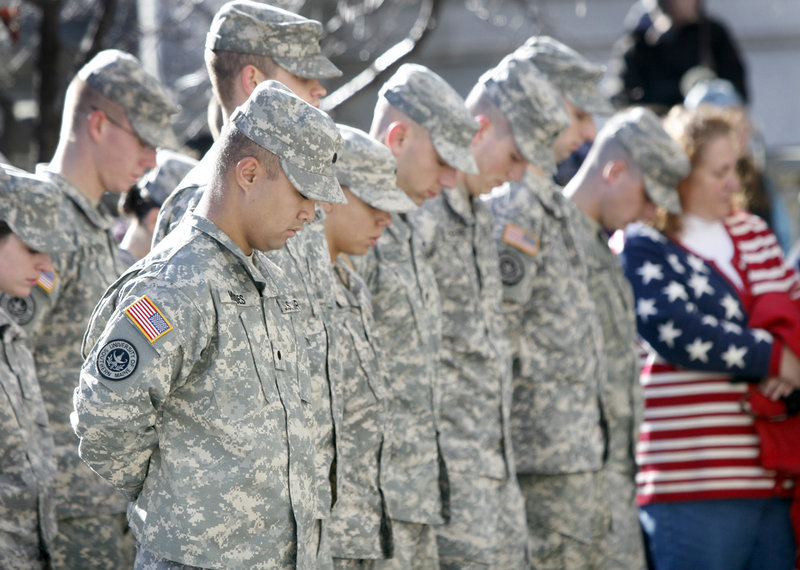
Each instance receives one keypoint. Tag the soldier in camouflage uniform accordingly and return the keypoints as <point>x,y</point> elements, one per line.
<point>250,42</point>
<point>114,116</point>
<point>633,165</point>
<point>424,123</point>
<point>359,528</point>
<point>28,218</point>
<point>195,396</point>
<point>558,417</point>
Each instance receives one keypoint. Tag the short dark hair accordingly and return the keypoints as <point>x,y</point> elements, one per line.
<point>224,67</point>
<point>5,230</point>
<point>234,146</point>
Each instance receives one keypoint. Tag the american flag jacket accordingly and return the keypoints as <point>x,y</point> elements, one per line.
<point>695,442</point>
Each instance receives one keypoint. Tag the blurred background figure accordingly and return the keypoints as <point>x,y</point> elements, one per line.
<point>667,39</point>
<point>141,203</point>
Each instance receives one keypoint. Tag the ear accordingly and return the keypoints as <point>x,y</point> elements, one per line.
<point>613,169</point>
<point>485,125</point>
<point>247,171</point>
<point>249,78</point>
<point>327,207</point>
<point>397,135</point>
<point>96,124</point>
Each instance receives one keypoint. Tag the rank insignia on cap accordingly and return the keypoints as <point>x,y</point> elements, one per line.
<point>148,319</point>
<point>47,280</point>
<point>516,237</point>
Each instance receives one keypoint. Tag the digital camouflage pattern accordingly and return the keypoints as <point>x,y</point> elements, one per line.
<point>575,76</point>
<point>430,101</point>
<point>148,105</point>
<point>532,105</point>
<point>304,138</point>
<point>474,378</point>
<point>558,410</point>
<point>613,299</point>
<point>369,170</point>
<point>55,316</point>
<point>29,205</point>
<point>157,184</point>
<point>292,41</point>
<point>359,526</point>
<point>219,397</point>
<point>660,158</point>
<point>553,327</point>
<point>407,313</point>
<point>27,464</point>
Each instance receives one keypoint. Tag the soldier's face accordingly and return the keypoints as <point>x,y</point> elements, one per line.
<point>497,157</point>
<point>309,90</point>
<point>355,227</point>
<point>421,172</point>
<point>20,266</point>
<point>625,201</point>
<point>122,157</point>
<point>581,130</point>
<point>276,212</point>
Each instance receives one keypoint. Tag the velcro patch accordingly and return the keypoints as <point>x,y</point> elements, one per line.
<point>117,360</point>
<point>511,268</point>
<point>524,241</point>
<point>148,319</point>
<point>47,280</point>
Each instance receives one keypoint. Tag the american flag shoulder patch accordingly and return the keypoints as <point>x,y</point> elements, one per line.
<point>47,280</point>
<point>524,241</point>
<point>148,318</point>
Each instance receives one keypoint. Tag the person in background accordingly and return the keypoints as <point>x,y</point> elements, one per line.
<point>667,40</point>
<point>633,166</point>
<point>141,203</point>
<point>115,115</point>
<point>28,232</point>
<point>359,529</point>
<point>705,500</point>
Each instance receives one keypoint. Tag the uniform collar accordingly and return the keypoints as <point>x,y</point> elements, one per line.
<point>73,193</point>
<point>458,199</point>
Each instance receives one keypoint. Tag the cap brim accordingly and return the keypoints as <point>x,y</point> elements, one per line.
<point>314,186</point>
<point>47,241</point>
<point>595,104</point>
<point>458,157</point>
<point>537,155</point>
<point>309,67</point>
<point>391,199</point>
<point>670,201</point>
<point>157,136</point>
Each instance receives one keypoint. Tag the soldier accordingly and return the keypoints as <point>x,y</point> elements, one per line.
<point>487,524</point>
<point>195,398</point>
<point>28,218</point>
<point>632,166</point>
<point>115,115</point>
<point>141,203</point>
<point>250,42</point>
<point>359,529</point>
<point>557,417</point>
<point>424,123</point>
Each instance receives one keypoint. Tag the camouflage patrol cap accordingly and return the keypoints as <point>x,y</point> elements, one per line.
<point>575,76</point>
<point>29,205</point>
<point>160,181</point>
<point>120,77</point>
<point>292,41</point>
<point>661,159</point>
<point>304,138</point>
<point>532,106</point>
<point>368,169</point>
<point>429,100</point>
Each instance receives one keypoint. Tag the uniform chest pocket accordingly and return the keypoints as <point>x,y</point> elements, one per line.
<point>264,357</point>
<point>368,360</point>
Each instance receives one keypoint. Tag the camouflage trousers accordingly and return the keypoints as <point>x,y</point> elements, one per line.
<point>568,520</point>
<point>625,542</point>
<point>486,527</point>
<point>103,542</point>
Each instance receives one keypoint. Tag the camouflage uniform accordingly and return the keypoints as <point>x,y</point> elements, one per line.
<point>27,464</point>
<point>487,515</point>
<point>248,27</point>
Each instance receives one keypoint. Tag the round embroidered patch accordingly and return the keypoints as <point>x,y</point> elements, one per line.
<point>21,309</point>
<point>117,360</point>
<point>511,268</point>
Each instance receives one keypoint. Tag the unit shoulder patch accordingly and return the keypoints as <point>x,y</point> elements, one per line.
<point>511,268</point>
<point>526,242</point>
<point>148,319</point>
<point>117,360</point>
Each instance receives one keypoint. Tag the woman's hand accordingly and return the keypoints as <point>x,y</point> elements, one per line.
<point>777,387</point>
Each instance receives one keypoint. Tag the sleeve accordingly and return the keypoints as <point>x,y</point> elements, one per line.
<point>148,347</point>
<point>689,322</point>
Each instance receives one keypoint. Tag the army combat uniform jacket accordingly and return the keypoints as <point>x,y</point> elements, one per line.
<point>54,317</point>
<point>27,461</point>
<point>359,526</point>
<point>195,400</point>
<point>407,313</point>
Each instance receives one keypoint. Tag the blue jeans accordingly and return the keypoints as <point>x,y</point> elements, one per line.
<point>725,534</point>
